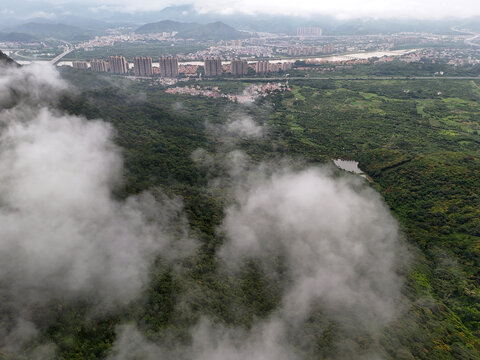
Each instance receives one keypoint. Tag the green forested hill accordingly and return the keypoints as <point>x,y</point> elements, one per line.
<point>421,147</point>
<point>214,31</point>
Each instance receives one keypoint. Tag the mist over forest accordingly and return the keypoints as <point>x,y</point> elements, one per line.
<point>198,182</point>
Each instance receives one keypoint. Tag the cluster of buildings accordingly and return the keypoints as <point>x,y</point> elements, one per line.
<point>115,37</point>
<point>213,67</point>
<point>142,66</point>
<point>269,48</point>
<point>248,95</point>
<point>260,90</point>
<point>309,31</point>
<point>456,57</point>
<point>265,66</point>
<point>231,50</point>
<point>212,92</point>
<point>310,50</point>
<point>168,67</point>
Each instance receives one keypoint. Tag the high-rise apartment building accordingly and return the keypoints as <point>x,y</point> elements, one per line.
<point>303,50</point>
<point>213,67</point>
<point>262,67</point>
<point>168,67</point>
<point>309,31</point>
<point>239,67</point>
<point>328,49</point>
<point>80,65</point>
<point>142,66</point>
<point>118,64</point>
<point>99,65</point>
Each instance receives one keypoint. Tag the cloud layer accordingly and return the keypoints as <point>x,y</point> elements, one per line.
<point>428,9</point>
<point>331,245</point>
<point>63,235</point>
<point>338,240</point>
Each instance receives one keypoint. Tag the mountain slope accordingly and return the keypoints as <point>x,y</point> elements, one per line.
<point>57,31</point>
<point>213,31</point>
<point>15,36</point>
<point>4,59</point>
<point>165,26</point>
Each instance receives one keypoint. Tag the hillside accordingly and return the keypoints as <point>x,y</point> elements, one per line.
<point>165,26</point>
<point>15,36</point>
<point>291,258</point>
<point>427,178</point>
<point>213,31</point>
<point>56,31</point>
<point>6,59</point>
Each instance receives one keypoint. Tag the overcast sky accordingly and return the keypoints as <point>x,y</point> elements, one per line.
<point>338,8</point>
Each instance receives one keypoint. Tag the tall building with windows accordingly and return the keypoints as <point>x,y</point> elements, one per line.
<point>168,67</point>
<point>262,67</point>
<point>328,48</point>
<point>213,67</point>
<point>142,66</point>
<point>118,65</point>
<point>80,65</point>
<point>239,67</point>
<point>309,31</point>
<point>99,65</point>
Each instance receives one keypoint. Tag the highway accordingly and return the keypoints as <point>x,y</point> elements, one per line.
<point>469,41</point>
<point>59,57</point>
<point>369,78</point>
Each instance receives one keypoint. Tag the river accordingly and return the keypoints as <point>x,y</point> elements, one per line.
<point>333,58</point>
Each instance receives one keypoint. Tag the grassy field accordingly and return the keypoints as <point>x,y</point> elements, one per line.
<point>153,49</point>
<point>421,145</point>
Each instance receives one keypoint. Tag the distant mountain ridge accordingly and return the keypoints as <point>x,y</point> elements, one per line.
<point>165,26</point>
<point>15,36</point>
<point>213,31</point>
<point>53,30</point>
<point>285,24</point>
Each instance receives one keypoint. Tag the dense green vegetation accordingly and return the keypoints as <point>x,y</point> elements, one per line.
<point>153,49</point>
<point>419,141</point>
<point>214,31</point>
<point>395,68</point>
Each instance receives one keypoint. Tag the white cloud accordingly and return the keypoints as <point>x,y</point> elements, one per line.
<point>340,8</point>
<point>43,15</point>
<point>63,235</point>
<point>7,12</point>
<point>339,251</point>
<point>338,239</point>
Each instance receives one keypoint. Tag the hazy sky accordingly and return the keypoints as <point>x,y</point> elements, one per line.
<point>338,8</point>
